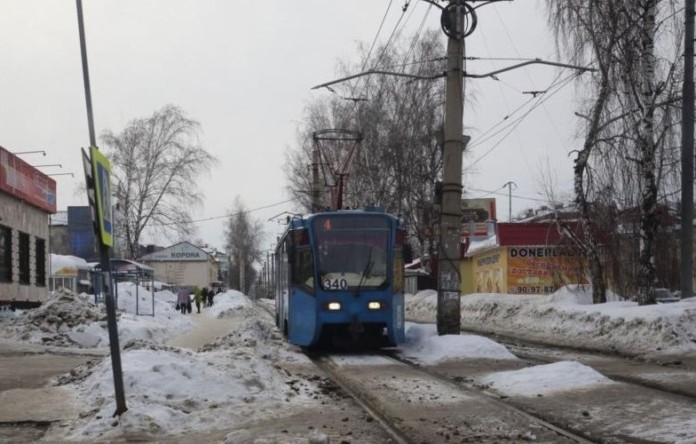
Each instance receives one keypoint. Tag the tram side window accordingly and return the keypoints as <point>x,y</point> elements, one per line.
<point>5,254</point>
<point>282,269</point>
<point>302,273</point>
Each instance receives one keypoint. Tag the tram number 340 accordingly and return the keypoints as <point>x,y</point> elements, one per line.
<point>335,284</point>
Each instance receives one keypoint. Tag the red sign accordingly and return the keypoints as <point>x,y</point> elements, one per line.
<point>25,182</point>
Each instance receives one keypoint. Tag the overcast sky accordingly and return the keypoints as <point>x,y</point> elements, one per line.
<point>244,70</point>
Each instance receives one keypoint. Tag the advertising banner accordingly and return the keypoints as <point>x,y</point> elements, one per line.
<point>25,182</point>
<point>542,269</point>
<point>489,274</point>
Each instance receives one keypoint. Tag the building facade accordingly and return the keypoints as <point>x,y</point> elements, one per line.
<point>183,264</point>
<point>27,198</point>
<point>522,258</point>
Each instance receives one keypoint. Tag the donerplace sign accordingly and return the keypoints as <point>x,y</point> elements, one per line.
<point>183,252</point>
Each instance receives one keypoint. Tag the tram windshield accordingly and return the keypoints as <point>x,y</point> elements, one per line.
<point>351,251</point>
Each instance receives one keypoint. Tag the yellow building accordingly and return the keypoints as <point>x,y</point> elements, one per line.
<point>521,258</point>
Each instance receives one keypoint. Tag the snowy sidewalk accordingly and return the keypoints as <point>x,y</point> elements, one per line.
<point>206,330</point>
<point>25,369</point>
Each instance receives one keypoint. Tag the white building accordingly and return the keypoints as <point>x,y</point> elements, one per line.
<point>183,264</point>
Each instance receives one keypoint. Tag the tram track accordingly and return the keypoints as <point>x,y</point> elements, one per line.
<point>450,401</point>
<point>451,412</point>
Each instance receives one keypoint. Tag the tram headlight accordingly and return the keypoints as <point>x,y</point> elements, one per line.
<point>334,306</point>
<point>374,305</point>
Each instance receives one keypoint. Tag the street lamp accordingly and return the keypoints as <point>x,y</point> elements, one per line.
<point>31,152</point>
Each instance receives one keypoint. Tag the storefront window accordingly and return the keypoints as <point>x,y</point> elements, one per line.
<point>5,254</point>
<point>40,262</point>
<point>23,258</point>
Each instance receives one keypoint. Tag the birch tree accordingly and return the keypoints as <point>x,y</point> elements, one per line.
<point>631,121</point>
<point>156,162</point>
<point>243,237</point>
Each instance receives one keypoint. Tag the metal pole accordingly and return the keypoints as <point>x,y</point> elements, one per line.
<point>315,179</point>
<point>85,74</point>
<point>152,282</point>
<point>687,157</point>
<point>448,294</point>
<point>104,255</point>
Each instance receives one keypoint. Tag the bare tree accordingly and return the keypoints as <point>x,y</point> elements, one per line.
<point>591,29</point>
<point>243,240</point>
<point>400,157</point>
<point>627,159</point>
<point>155,164</point>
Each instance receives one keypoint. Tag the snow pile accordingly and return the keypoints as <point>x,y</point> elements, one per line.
<point>568,318</point>
<point>235,379</point>
<point>424,345</point>
<point>166,322</point>
<point>53,322</point>
<point>544,379</point>
<point>253,330</point>
<point>225,304</point>
<point>164,301</point>
<point>68,319</point>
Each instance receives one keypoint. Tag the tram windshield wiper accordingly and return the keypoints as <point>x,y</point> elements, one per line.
<point>366,272</point>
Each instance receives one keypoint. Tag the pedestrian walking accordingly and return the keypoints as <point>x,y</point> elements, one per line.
<point>204,294</point>
<point>211,295</point>
<point>183,299</point>
<point>198,297</point>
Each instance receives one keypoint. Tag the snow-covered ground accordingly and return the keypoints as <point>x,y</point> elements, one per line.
<point>569,318</point>
<point>173,390</point>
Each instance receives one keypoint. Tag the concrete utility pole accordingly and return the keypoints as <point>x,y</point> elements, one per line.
<point>509,185</point>
<point>687,155</point>
<point>449,251</point>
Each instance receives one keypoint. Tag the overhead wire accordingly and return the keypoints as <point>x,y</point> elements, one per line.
<point>483,137</point>
<point>496,192</point>
<point>529,76</point>
<point>229,214</point>
<point>514,124</point>
<point>375,65</point>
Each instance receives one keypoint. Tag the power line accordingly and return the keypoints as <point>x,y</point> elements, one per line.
<point>374,41</point>
<point>519,120</point>
<point>529,76</point>
<point>229,214</point>
<point>483,137</point>
<point>496,192</point>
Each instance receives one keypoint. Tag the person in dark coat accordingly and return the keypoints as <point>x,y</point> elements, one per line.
<point>211,295</point>
<point>204,296</point>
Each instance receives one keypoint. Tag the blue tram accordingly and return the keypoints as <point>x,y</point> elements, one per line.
<point>339,280</point>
